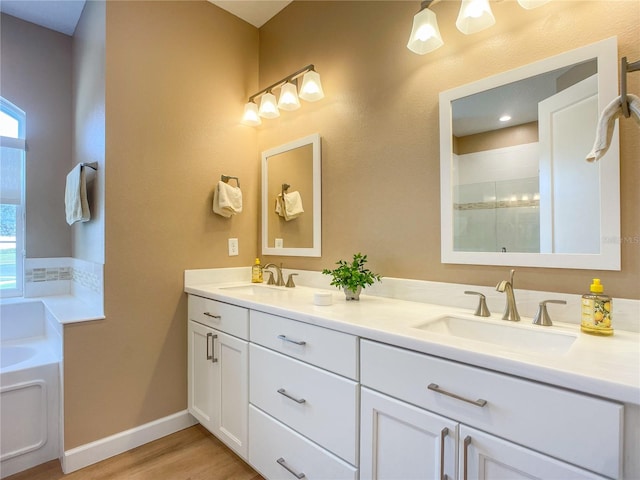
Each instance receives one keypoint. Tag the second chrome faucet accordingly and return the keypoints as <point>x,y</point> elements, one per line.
<point>511,310</point>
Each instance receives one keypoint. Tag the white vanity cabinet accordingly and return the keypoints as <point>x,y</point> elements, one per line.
<point>500,427</point>
<point>304,398</point>
<point>218,361</point>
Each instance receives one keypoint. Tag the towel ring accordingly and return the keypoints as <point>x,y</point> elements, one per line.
<point>226,178</point>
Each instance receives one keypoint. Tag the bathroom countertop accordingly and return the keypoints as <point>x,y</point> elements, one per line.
<point>604,366</point>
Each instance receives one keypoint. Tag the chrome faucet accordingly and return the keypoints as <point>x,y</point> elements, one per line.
<point>511,310</point>
<point>280,280</point>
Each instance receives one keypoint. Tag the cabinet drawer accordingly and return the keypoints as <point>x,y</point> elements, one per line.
<point>580,429</point>
<point>279,453</point>
<point>221,316</point>
<point>328,349</point>
<point>314,402</point>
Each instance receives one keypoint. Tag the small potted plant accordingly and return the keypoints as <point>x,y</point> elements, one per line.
<point>353,276</point>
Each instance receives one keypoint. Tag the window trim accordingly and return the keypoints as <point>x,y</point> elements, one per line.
<point>18,144</point>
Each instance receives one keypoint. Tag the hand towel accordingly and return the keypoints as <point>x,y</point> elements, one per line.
<point>606,123</point>
<point>289,206</point>
<point>227,200</point>
<point>75,197</point>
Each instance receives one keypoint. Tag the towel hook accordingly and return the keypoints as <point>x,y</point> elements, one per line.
<point>226,178</point>
<point>625,68</point>
<point>285,187</point>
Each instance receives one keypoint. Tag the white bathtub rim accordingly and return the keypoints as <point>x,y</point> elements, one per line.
<point>94,452</point>
<point>47,352</point>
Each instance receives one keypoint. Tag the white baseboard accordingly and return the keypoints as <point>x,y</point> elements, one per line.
<point>107,447</point>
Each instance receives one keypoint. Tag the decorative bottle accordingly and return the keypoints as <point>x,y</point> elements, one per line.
<point>256,272</point>
<point>597,311</point>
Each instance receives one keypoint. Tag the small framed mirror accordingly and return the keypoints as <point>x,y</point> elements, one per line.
<point>291,198</point>
<point>518,190</point>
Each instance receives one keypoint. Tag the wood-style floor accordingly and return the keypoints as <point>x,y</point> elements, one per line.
<point>190,454</point>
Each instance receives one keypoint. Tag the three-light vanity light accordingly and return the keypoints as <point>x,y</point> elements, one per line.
<point>310,90</point>
<point>474,16</point>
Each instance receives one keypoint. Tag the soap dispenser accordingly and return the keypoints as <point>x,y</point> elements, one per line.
<point>256,272</point>
<point>596,311</point>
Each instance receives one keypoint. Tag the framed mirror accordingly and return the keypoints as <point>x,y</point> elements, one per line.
<point>518,191</point>
<point>291,198</point>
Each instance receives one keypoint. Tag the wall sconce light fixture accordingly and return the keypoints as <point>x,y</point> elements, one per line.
<point>425,35</point>
<point>310,90</point>
<point>474,16</point>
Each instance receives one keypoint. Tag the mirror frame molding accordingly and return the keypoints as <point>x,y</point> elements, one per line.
<point>606,53</point>
<point>315,250</point>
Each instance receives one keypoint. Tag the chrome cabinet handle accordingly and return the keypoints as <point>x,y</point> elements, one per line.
<point>282,391</point>
<point>209,355</point>
<point>284,465</point>
<point>478,403</point>
<point>443,436</point>
<point>297,342</point>
<point>213,352</point>
<point>465,458</point>
<point>212,315</point>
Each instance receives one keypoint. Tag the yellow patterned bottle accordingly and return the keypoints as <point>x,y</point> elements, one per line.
<point>256,272</point>
<point>597,311</point>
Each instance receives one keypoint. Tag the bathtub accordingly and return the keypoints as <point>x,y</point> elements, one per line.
<point>30,359</point>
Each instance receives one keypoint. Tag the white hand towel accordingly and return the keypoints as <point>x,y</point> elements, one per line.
<point>227,200</point>
<point>292,205</point>
<point>76,205</point>
<point>606,123</point>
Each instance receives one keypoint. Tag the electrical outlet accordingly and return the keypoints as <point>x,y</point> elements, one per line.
<point>233,247</point>
<point>279,243</point>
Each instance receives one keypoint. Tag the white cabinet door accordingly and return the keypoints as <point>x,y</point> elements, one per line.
<point>402,442</point>
<point>485,457</point>
<point>218,384</point>
<point>201,375</point>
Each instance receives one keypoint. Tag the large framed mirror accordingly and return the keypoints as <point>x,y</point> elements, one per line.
<point>519,191</point>
<point>291,198</point>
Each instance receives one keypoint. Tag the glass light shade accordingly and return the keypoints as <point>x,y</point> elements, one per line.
<point>251,116</point>
<point>268,106</point>
<point>425,35</point>
<point>288,97</point>
<point>529,4</point>
<point>311,89</point>
<point>474,16</point>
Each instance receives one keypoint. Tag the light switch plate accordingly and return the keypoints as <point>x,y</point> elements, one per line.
<point>279,243</point>
<point>233,247</point>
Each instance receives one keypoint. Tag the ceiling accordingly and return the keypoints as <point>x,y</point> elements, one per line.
<point>59,15</point>
<point>63,15</point>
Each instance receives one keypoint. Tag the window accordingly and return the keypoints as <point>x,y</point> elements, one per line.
<point>12,180</point>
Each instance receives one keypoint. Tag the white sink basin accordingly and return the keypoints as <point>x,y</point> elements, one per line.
<point>513,336</point>
<point>254,289</point>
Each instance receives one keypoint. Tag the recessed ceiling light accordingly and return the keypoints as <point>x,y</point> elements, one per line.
<point>505,118</point>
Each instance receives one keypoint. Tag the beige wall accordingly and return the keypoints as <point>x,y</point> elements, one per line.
<point>35,75</point>
<point>177,77</point>
<point>89,126</point>
<point>504,137</point>
<point>379,124</point>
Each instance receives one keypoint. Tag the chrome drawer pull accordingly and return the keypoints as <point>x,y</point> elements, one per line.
<point>478,403</point>
<point>282,391</point>
<point>284,465</point>
<point>213,352</point>
<point>209,355</point>
<point>443,436</point>
<point>212,315</point>
<point>465,461</point>
<point>297,342</point>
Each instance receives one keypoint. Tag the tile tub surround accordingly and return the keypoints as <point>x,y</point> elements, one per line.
<point>607,367</point>
<point>72,289</point>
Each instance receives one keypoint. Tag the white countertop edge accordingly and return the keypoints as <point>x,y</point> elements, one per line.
<point>67,309</point>
<point>617,386</point>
